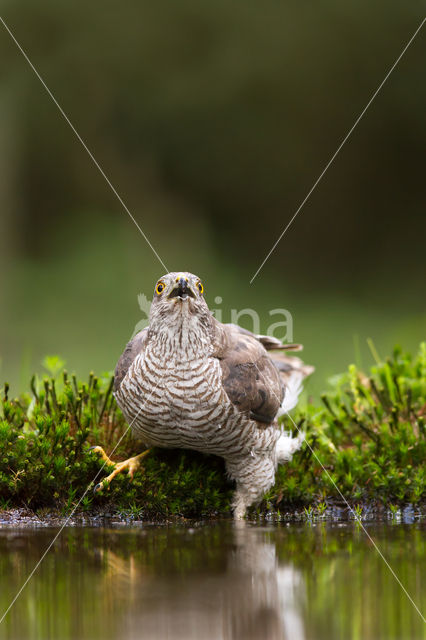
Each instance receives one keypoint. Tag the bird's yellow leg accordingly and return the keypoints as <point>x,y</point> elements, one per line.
<point>131,465</point>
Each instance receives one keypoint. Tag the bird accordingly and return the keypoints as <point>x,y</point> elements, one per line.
<point>189,381</point>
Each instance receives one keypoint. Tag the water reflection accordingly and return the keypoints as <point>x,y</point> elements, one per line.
<point>212,582</point>
<point>268,598</point>
<point>248,595</point>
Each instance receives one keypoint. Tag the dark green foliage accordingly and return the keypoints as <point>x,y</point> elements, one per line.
<point>366,442</point>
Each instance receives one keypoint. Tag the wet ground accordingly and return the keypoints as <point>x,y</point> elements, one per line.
<point>296,580</point>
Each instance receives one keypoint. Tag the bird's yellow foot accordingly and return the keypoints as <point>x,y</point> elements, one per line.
<point>131,465</point>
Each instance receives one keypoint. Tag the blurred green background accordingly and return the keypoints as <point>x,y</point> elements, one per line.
<point>212,120</point>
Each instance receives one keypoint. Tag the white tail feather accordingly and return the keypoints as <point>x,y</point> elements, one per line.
<point>286,446</point>
<point>293,388</point>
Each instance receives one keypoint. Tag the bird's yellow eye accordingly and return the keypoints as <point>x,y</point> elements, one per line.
<point>160,287</point>
<point>200,287</point>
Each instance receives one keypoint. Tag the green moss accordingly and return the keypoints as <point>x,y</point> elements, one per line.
<point>367,442</point>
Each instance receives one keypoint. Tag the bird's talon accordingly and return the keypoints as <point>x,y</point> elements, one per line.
<point>131,464</point>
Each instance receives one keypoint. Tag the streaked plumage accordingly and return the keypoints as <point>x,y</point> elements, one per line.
<point>189,381</point>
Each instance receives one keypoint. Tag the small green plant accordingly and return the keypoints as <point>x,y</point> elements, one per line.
<point>309,512</point>
<point>357,510</point>
<point>133,512</point>
<point>321,508</point>
<point>395,510</point>
<point>4,504</point>
<point>53,365</point>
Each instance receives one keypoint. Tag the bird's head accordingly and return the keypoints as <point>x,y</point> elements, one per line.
<point>178,300</point>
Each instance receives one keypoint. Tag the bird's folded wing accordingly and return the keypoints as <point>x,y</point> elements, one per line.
<point>133,348</point>
<point>250,374</point>
<point>250,379</point>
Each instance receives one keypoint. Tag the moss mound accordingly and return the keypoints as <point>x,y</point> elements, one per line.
<point>367,442</point>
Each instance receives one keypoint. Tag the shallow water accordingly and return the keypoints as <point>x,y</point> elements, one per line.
<point>214,581</point>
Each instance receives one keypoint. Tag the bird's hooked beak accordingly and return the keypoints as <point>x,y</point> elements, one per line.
<point>182,289</point>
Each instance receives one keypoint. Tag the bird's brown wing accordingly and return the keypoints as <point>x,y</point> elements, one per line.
<point>251,381</point>
<point>250,373</point>
<point>133,348</point>
<point>290,367</point>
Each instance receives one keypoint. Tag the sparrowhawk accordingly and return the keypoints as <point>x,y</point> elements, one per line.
<point>189,381</point>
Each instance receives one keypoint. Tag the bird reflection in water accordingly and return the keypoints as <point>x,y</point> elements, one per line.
<point>249,596</point>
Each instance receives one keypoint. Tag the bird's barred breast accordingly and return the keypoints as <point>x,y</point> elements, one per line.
<point>170,403</point>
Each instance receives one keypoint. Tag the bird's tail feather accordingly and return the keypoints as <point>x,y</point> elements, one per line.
<point>287,445</point>
<point>292,372</point>
<point>293,388</point>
